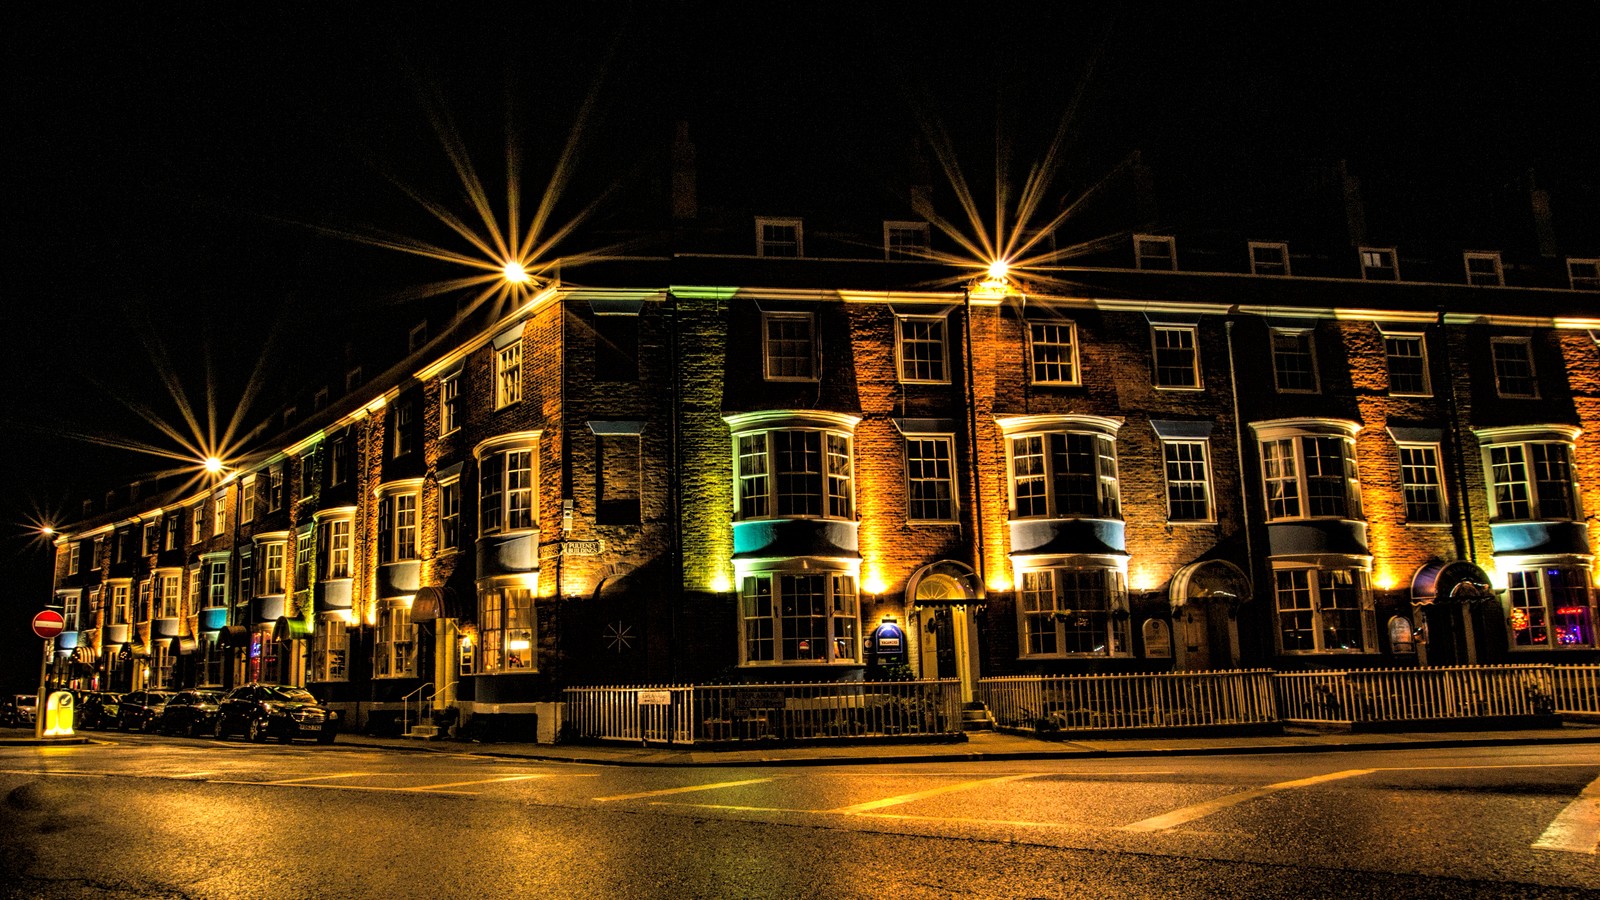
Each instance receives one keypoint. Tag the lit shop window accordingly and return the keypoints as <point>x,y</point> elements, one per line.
<point>1550,607</point>
<point>505,631</point>
<point>800,618</point>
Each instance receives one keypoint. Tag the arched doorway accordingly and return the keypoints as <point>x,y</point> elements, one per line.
<point>1447,598</point>
<point>1205,598</point>
<point>943,597</point>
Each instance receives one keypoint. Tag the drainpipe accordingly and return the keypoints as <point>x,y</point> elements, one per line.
<point>967,676</point>
<point>675,496</point>
<point>1239,447</point>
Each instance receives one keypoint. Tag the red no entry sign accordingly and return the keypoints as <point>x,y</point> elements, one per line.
<point>48,624</point>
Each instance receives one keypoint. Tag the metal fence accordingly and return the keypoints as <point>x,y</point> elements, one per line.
<point>680,714</point>
<point>1397,695</point>
<point>1164,700</point>
<point>1577,690</point>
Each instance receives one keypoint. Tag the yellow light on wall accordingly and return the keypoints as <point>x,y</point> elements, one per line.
<point>999,583</point>
<point>874,583</point>
<point>1385,581</point>
<point>721,584</point>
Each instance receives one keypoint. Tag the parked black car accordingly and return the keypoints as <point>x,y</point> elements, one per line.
<point>20,709</point>
<point>286,712</point>
<point>96,709</point>
<point>190,713</point>
<point>137,711</point>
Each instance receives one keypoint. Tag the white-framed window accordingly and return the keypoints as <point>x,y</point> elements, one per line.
<point>921,349</point>
<point>247,574</point>
<point>1294,360</point>
<point>1269,258</point>
<point>1188,474</point>
<point>449,402</point>
<point>197,523</point>
<point>336,537</point>
<point>1583,274</point>
<point>196,573</point>
<point>1073,611</point>
<point>1550,607</point>
<point>147,594</point>
<point>794,473</point>
<point>217,584</point>
<point>394,650</point>
<point>449,515</point>
<point>397,527</point>
<point>305,562</point>
<point>508,469</point>
<point>1175,356</point>
<point>506,631</point>
<point>338,460</point>
<point>1379,264</point>
<point>98,557</point>
<point>152,538</point>
<point>1063,468</point>
<point>161,660</point>
<point>905,240</point>
<point>275,487</point>
<point>930,478</point>
<point>1308,469</point>
<point>1422,483</point>
<point>404,412</point>
<point>508,374</point>
<point>247,499</point>
<point>1483,269</point>
<point>780,237</point>
<point>799,617</point>
<point>1155,251</point>
<point>219,513</point>
<point>1513,367</point>
<point>1530,479</point>
<point>72,610</point>
<point>120,611</point>
<point>169,595</point>
<point>788,346</point>
<point>212,659</point>
<point>272,568</point>
<point>1407,358</point>
<point>1053,351</point>
<point>330,649</point>
<point>1324,610</point>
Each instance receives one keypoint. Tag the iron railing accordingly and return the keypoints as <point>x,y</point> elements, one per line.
<point>1164,700</point>
<point>1396,695</point>
<point>682,714</point>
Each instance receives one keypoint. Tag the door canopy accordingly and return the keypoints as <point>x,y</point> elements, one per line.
<point>945,583</point>
<point>1209,580</point>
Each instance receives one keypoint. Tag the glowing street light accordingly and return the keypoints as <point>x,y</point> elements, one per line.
<point>213,466</point>
<point>46,530</point>
<point>515,273</point>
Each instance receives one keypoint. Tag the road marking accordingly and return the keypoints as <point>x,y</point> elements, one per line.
<point>735,808</point>
<point>341,787</point>
<point>193,774</point>
<point>682,790</point>
<point>57,774</point>
<point>320,778</point>
<point>1577,828</point>
<point>502,779</point>
<point>1200,810</point>
<point>931,792</point>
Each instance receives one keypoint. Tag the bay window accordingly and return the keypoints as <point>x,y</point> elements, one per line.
<point>1074,611</point>
<point>395,647</point>
<point>1532,480</point>
<point>1324,610</point>
<point>167,594</point>
<point>272,568</point>
<point>1550,606</point>
<point>330,649</point>
<point>806,618</point>
<point>795,472</point>
<point>1308,469</point>
<point>397,527</point>
<point>505,630</point>
<point>508,469</point>
<point>1063,474</point>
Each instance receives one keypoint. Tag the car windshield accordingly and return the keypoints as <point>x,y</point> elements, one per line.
<point>290,694</point>
<point>27,700</point>
<point>208,697</point>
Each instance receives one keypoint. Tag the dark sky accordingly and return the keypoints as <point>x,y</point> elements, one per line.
<point>166,160</point>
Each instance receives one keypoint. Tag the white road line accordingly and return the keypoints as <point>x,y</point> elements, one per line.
<point>502,779</point>
<point>1200,810</point>
<point>192,774</point>
<point>1577,828</point>
<point>931,792</point>
<point>340,787</point>
<point>55,774</point>
<point>682,790</point>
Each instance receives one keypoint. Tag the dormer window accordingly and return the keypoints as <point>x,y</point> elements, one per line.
<point>1483,269</point>
<point>780,237</point>
<point>905,240</point>
<point>1379,264</point>
<point>1156,252</point>
<point>1584,274</point>
<point>1269,258</point>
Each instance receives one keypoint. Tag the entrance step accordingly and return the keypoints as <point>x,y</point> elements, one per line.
<point>975,717</point>
<point>423,732</point>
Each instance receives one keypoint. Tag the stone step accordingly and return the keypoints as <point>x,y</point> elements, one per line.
<point>423,732</point>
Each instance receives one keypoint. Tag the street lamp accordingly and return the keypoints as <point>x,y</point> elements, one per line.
<point>515,273</point>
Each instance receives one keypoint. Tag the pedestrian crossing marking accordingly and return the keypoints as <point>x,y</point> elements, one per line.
<point>1577,828</point>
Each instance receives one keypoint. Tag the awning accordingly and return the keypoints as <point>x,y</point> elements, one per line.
<point>134,650</point>
<point>180,646</point>
<point>1457,581</point>
<point>88,654</point>
<point>235,636</point>
<point>287,629</point>
<point>434,603</point>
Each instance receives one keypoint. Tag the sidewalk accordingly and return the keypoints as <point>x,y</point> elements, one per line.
<point>986,746</point>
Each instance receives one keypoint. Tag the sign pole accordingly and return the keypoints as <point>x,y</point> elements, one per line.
<point>44,671</point>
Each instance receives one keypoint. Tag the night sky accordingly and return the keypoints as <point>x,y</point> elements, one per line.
<point>173,167</point>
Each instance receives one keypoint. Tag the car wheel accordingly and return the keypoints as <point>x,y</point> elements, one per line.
<point>287,737</point>
<point>255,732</point>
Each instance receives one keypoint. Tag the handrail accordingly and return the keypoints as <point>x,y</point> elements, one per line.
<point>405,707</point>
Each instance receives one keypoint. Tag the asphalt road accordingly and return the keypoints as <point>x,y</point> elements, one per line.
<point>144,816</point>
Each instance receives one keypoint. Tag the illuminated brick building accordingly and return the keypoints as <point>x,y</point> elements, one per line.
<point>777,455</point>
